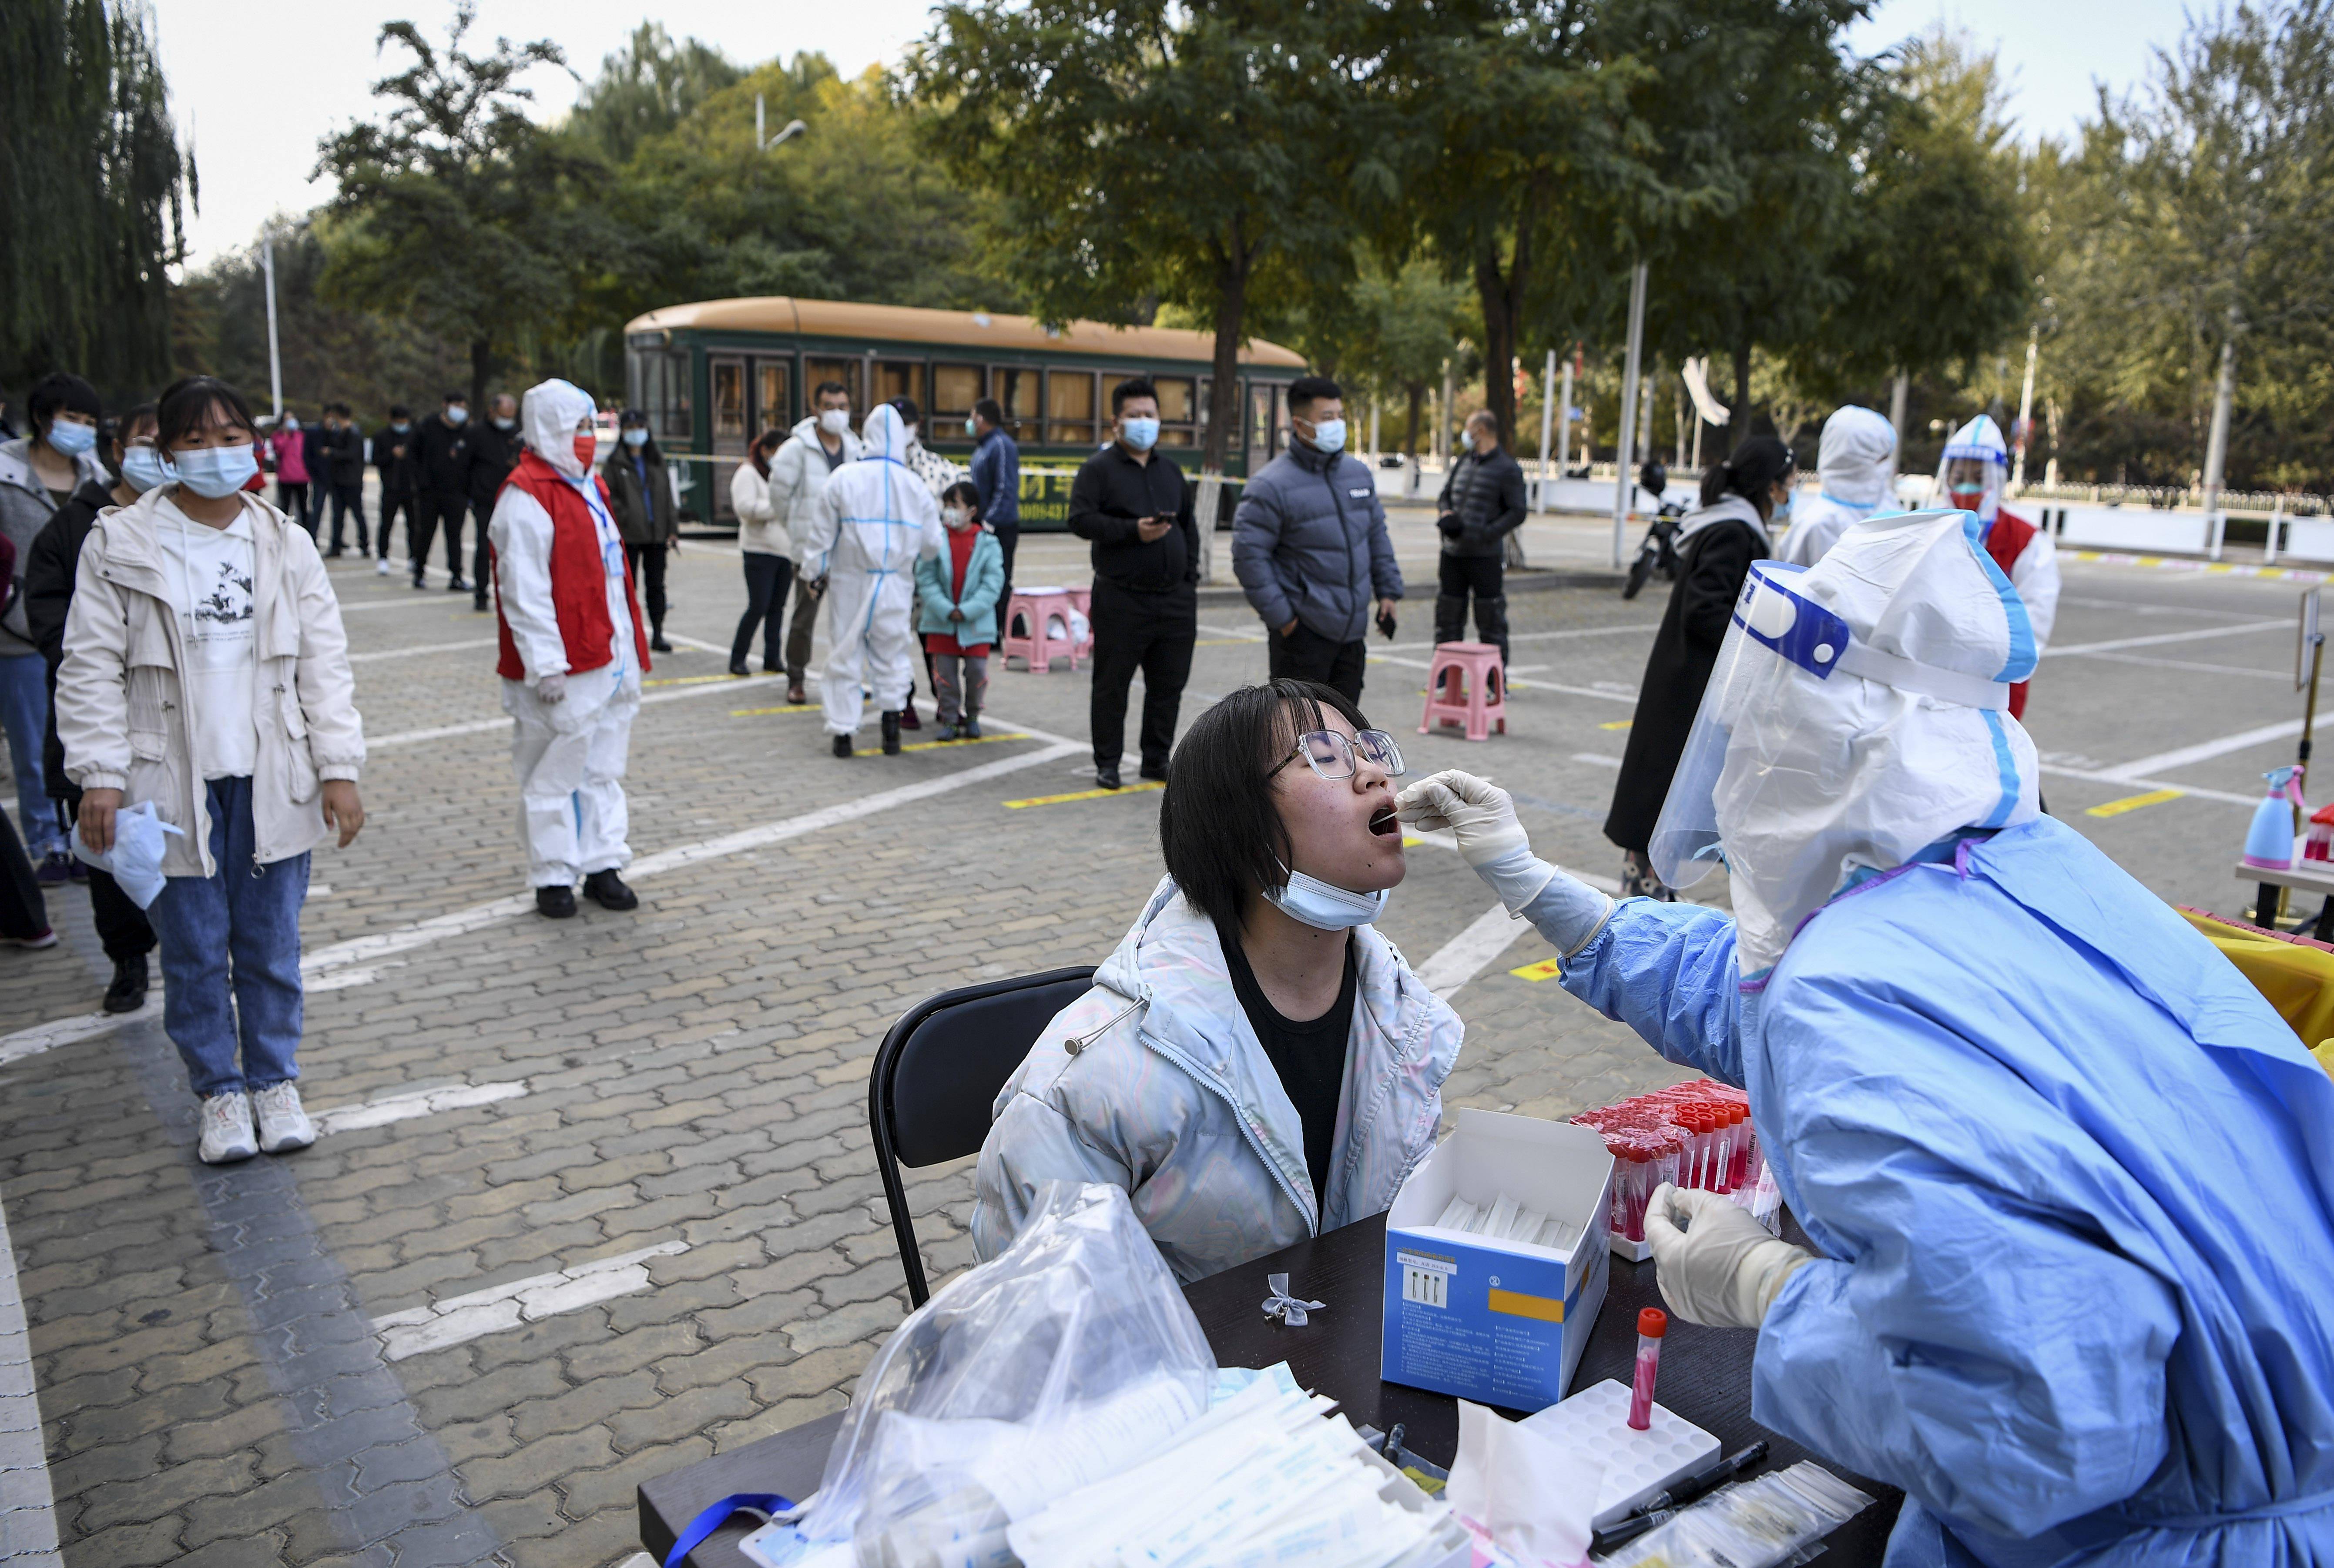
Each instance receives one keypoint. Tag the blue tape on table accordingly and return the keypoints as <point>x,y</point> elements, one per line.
<point>695,1533</point>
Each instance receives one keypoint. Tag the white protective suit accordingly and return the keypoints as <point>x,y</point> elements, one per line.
<point>1853,467</point>
<point>873,523</point>
<point>2035,572</point>
<point>569,755</point>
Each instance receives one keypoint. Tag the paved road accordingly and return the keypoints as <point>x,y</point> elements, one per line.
<point>597,1198</point>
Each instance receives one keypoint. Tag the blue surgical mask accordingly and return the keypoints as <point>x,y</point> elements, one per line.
<point>1329,435</point>
<point>636,437</point>
<point>1782,511</point>
<point>142,469</point>
<point>457,414</point>
<point>216,472</point>
<point>1315,903</point>
<point>503,424</point>
<point>71,438</point>
<point>400,427</point>
<point>1142,434</point>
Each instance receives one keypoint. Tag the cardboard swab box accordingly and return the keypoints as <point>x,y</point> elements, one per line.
<point>1500,1321</point>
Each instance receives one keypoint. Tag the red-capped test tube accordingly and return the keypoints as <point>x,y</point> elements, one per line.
<point>1652,1324</point>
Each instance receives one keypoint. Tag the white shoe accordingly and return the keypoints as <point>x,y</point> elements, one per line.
<point>227,1130</point>
<point>283,1126</point>
<point>380,567</point>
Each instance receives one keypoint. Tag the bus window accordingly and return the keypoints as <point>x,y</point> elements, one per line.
<point>1266,424</point>
<point>816,373</point>
<point>660,385</point>
<point>1178,410</point>
<point>955,389</point>
<point>1015,388</point>
<point>729,398</point>
<point>772,409</point>
<point>1069,407</point>
<point>899,379</point>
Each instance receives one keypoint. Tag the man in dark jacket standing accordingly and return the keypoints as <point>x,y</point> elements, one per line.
<point>393,448</point>
<point>340,474</point>
<point>997,475</point>
<point>1309,545</point>
<point>494,453</point>
<point>1135,507</point>
<point>443,447</point>
<point>1483,503</point>
<point>640,493</point>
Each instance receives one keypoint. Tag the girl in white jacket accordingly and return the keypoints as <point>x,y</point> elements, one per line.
<point>767,549</point>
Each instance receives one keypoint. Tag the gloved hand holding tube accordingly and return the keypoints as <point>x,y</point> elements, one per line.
<point>1482,819</point>
<point>1717,1265</point>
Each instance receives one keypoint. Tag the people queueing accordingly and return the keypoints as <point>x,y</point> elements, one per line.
<point>873,523</point>
<point>1975,467</point>
<point>1855,464</point>
<point>2069,1296</point>
<point>820,445</point>
<point>642,494</point>
<point>1310,547</point>
<point>39,472</point>
<point>442,445</point>
<point>1716,543</point>
<point>207,673</point>
<point>316,452</point>
<point>343,468</point>
<point>767,553</point>
<point>130,449</point>
<point>958,590</point>
<point>937,474</point>
<point>1484,501</point>
<point>495,446</point>
<point>288,444</point>
<point>397,460</point>
<point>1133,505</point>
<point>574,654</point>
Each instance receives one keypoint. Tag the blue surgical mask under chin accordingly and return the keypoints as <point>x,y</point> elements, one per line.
<point>71,438</point>
<point>215,472</point>
<point>141,468</point>
<point>1315,903</point>
<point>1329,435</point>
<point>1142,434</point>
<point>1782,511</point>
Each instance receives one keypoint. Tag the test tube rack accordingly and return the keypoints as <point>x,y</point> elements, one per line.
<point>1594,1423</point>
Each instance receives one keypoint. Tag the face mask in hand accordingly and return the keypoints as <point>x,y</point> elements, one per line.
<point>1329,435</point>
<point>1317,904</point>
<point>1142,434</point>
<point>215,472</point>
<point>835,422</point>
<point>141,468</point>
<point>71,438</point>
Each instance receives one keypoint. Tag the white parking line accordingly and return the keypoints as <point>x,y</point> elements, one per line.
<point>1465,956</point>
<point>2205,751</point>
<point>459,1319</point>
<point>470,647</point>
<point>481,726</point>
<point>2157,639</point>
<point>28,1510</point>
<point>405,1104</point>
<point>1597,759</point>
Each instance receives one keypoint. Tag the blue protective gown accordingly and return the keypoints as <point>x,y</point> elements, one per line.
<point>2073,1184</point>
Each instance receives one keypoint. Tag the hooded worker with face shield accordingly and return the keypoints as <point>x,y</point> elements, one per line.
<point>1971,476</point>
<point>2070,1178</point>
<point>873,523</point>
<point>1853,467</point>
<point>572,655</point>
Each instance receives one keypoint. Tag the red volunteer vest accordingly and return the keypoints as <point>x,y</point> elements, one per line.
<point>579,597</point>
<point>2005,541</point>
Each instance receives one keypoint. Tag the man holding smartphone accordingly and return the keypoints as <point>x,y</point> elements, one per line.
<point>1134,506</point>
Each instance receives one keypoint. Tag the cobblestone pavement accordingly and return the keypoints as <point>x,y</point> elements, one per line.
<point>595,1198</point>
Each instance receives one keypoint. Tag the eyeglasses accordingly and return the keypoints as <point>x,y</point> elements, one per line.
<point>1331,754</point>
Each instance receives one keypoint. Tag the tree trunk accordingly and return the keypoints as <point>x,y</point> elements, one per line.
<point>1224,412</point>
<point>1501,299</point>
<point>481,361</point>
<point>1738,419</point>
<point>1417,390</point>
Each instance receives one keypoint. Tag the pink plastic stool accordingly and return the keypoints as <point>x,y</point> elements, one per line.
<point>1034,644</point>
<point>1466,685</point>
<point>1083,598</point>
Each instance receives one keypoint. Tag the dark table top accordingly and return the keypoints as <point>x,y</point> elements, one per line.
<point>1706,1378</point>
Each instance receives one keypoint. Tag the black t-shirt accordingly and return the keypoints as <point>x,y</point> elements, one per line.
<point>1310,1057</point>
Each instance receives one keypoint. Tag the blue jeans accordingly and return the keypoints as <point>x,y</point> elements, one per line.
<point>237,929</point>
<point>24,713</point>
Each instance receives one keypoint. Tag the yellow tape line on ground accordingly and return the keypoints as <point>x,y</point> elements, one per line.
<point>691,680</point>
<point>1617,723</point>
<point>1084,795</point>
<point>790,707</point>
<point>935,744</point>
<point>2133,803</point>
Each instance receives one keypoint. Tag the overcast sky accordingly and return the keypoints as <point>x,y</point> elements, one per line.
<point>254,91</point>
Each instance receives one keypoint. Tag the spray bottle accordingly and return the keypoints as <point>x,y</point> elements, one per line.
<point>2269,844</point>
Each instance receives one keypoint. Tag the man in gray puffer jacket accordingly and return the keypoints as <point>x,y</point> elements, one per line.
<point>1309,547</point>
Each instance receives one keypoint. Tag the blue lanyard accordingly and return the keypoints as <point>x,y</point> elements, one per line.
<point>698,1531</point>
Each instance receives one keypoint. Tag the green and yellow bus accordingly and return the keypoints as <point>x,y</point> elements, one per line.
<point>711,375</point>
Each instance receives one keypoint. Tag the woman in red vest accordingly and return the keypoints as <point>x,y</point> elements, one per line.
<point>572,655</point>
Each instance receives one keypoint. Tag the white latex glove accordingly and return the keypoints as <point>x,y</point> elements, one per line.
<point>552,688</point>
<point>1481,817</point>
<point>1717,1265</point>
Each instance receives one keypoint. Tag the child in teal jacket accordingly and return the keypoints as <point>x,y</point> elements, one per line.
<point>958,592</point>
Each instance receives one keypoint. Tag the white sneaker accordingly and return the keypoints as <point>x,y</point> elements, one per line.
<point>283,1126</point>
<point>227,1130</point>
<point>380,567</point>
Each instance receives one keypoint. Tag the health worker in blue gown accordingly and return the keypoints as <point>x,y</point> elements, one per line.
<point>2070,1178</point>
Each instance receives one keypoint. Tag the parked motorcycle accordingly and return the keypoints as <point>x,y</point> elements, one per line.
<point>1658,551</point>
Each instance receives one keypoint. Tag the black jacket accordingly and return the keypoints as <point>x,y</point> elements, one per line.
<point>645,514</point>
<point>316,452</point>
<point>49,567</point>
<point>493,455</point>
<point>343,464</point>
<point>399,475</point>
<point>1111,492</point>
<point>445,453</point>
<point>1487,495</point>
<point>1711,565</point>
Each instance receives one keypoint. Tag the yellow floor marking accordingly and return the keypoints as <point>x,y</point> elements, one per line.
<point>1546,969</point>
<point>1084,795</point>
<point>2133,803</point>
<point>691,680</point>
<point>934,745</point>
<point>791,707</point>
<point>1617,724</point>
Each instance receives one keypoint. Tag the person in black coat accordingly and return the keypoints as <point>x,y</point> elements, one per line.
<point>442,446</point>
<point>395,452</point>
<point>494,453</point>
<point>1484,501</point>
<point>1716,545</point>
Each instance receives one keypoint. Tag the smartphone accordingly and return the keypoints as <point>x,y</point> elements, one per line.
<point>1386,625</point>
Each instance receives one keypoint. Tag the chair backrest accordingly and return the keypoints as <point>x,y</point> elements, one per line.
<point>938,1073</point>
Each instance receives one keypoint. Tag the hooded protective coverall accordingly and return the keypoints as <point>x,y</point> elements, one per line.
<point>569,755</point>
<point>873,523</point>
<point>2021,549</point>
<point>2070,1177</point>
<point>1853,467</point>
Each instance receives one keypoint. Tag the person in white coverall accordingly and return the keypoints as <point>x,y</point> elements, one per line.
<point>572,655</point>
<point>873,521</point>
<point>1971,476</point>
<point>1853,469</point>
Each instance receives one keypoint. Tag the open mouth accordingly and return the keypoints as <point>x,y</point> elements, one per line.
<point>1385,824</point>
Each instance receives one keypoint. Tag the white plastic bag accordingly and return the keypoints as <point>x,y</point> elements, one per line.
<point>1066,1358</point>
<point>135,860</point>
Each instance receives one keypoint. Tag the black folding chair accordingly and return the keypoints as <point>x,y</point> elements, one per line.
<point>938,1073</point>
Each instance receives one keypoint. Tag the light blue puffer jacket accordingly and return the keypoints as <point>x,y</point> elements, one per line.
<point>1155,1083</point>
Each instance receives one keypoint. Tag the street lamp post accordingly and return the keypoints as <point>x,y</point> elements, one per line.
<point>763,143</point>
<point>1628,412</point>
<point>275,356</point>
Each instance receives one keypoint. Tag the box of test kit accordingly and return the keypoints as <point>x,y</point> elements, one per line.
<point>1496,1318</point>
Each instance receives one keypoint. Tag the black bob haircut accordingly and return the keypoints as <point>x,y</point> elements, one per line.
<point>965,494</point>
<point>1307,390</point>
<point>195,403</point>
<point>59,392</point>
<point>1134,387</point>
<point>1220,832</point>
